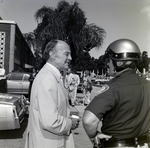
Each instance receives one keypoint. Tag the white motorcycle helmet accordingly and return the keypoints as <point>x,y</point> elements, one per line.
<point>123,50</point>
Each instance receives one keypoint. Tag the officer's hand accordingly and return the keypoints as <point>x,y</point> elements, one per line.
<point>143,146</point>
<point>103,136</point>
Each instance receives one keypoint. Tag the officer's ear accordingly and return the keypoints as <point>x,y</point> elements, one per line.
<point>119,63</point>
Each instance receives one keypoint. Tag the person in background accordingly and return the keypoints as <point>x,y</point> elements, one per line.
<point>71,83</point>
<point>50,124</point>
<point>87,87</point>
<point>76,83</point>
<point>123,106</point>
<point>67,80</point>
<point>67,77</point>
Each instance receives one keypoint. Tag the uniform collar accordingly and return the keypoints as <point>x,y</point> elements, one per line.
<point>125,71</point>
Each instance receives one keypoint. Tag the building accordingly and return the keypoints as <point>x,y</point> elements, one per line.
<point>15,54</point>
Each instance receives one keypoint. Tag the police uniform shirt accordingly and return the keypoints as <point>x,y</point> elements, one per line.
<point>124,106</point>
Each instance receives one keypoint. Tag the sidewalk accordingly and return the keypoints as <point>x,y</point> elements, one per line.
<point>80,137</point>
<point>78,109</point>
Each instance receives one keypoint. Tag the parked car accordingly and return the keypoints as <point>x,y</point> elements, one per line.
<point>18,83</point>
<point>13,109</point>
<point>101,80</point>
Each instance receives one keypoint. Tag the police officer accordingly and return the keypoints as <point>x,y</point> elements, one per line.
<point>123,105</point>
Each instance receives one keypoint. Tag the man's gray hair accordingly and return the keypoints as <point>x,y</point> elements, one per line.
<point>49,47</point>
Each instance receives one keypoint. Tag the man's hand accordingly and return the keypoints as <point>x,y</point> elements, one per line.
<point>75,122</point>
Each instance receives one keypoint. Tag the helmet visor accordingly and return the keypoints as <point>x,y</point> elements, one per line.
<point>125,56</point>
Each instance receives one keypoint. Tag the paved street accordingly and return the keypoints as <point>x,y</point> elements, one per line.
<point>16,138</point>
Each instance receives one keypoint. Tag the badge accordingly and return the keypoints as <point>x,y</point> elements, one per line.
<point>104,88</point>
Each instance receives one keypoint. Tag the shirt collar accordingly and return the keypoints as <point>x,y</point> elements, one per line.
<point>55,69</point>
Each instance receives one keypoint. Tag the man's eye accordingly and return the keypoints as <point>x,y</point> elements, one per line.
<point>67,54</point>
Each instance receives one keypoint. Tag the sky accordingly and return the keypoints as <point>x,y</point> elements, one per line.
<point>119,18</point>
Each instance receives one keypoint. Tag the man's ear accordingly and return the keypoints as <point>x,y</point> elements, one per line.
<point>50,53</point>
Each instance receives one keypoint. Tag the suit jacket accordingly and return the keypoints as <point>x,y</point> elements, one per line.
<point>49,124</point>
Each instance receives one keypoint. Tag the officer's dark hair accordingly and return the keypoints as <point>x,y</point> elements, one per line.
<point>49,47</point>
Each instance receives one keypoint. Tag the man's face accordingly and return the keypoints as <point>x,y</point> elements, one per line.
<point>110,67</point>
<point>62,55</point>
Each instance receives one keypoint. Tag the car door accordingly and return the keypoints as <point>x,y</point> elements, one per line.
<point>15,83</point>
<point>25,86</point>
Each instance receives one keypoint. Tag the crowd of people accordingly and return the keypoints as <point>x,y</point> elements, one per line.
<point>118,116</point>
<point>71,82</point>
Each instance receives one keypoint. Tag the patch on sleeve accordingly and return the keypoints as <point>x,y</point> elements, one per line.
<point>103,89</point>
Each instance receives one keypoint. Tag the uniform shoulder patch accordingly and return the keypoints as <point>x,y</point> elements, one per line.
<point>104,88</point>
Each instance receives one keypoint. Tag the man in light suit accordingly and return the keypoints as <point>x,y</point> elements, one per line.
<point>49,123</point>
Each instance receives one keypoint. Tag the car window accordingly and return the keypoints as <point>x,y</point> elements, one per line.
<point>16,76</point>
<point>26,77</point>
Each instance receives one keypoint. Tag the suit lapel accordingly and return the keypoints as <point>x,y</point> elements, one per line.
<point>58,78</point>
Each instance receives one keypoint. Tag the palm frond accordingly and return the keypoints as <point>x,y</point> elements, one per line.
<point>42,12</point>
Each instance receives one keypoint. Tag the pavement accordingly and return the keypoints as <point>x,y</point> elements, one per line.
<point>80,137</point>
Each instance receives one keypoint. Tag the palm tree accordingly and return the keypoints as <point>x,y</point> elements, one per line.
<point>30,38</point>
<point>32,42</point>
<point>91,36</point>
<point>144,62</point>
<point>67,22</point>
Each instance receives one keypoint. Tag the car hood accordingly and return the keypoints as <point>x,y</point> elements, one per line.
<point>9,99</point>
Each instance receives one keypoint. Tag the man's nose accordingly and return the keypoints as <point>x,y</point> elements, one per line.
<point>69,57</point>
